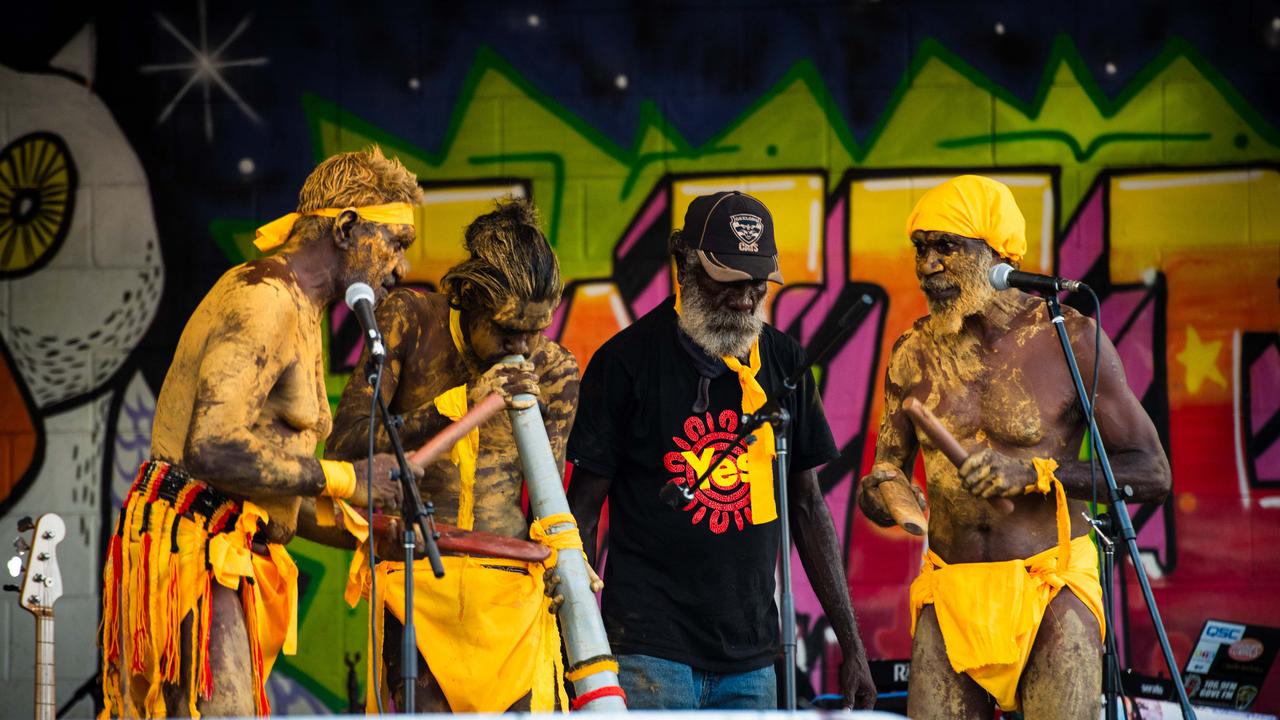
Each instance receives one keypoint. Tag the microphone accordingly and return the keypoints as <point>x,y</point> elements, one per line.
<point>360,300</point>
<point>1003,277</point>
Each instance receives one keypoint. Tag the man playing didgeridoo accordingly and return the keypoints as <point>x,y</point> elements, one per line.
<point>199,595</point>
<point>486,640</point>
<point>1007,609</point>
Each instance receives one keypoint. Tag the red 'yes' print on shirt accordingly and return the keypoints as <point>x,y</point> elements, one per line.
<point>726,492</point>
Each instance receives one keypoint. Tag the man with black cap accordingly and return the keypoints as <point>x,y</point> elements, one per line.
<point>689,586</point>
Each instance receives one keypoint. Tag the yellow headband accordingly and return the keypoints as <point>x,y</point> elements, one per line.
<point>976,207</point>
<point>273,234</point>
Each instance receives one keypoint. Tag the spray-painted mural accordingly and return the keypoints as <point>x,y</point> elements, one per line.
<point>1162,191</point>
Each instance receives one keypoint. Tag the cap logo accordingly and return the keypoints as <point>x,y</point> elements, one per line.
<point>748,228</point>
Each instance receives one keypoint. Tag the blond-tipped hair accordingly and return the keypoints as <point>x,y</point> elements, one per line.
<point>509,259</point>
<point>356,179</point>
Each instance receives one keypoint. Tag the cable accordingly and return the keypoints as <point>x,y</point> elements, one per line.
<point>1093,396</point>
<point>1117,680</point>
<point>376,658</point>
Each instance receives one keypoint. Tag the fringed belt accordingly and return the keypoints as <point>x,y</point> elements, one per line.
<point>175,537</point>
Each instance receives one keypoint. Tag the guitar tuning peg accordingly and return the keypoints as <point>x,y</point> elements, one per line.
<point>11,588</point>
<point>25,523</point>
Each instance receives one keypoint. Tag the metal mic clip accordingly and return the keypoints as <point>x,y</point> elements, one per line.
<point>675,495</point>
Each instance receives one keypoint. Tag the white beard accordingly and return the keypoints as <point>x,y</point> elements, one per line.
<point>718,332</point>
<point>946,317</point>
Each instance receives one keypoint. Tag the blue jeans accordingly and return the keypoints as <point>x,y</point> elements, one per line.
<point>655,684</point>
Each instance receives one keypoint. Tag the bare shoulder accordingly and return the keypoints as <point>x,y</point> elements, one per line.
<point>911,340</point>
<point>264,291</point>
<point>413,304</point>
<point>552,359</point>
<point>1076,320</point>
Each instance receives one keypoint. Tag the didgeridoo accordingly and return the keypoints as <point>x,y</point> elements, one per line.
<point>585,641</point>
<point>951,448</point>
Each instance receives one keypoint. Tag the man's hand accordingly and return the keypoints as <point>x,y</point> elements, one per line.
<point>390,544</point>
<point>870,500</point>
<point>551,586</point>
<point>989,474</point>
<point>856,683</point>
<point>386,489</point>
<point>508,380</point>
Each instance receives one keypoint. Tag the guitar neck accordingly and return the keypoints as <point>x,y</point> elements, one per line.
<point>46,697</point>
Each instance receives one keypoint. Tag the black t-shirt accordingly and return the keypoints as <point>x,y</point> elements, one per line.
<point>695,583</point>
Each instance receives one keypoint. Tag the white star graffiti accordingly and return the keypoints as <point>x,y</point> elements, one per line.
<point>205,68</point>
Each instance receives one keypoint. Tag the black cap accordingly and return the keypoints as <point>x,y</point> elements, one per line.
<point>733,234</point>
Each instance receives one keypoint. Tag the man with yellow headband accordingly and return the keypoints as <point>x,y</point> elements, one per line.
<point>991,622</point>
<point>199,594</point>
<point>689,588</point>
<point>486,640</point>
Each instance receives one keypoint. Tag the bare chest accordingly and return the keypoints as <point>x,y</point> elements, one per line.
<point>1008,395</point>
<point>298,404</point>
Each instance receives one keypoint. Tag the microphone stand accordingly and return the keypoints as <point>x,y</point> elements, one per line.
<point>773,412</point>
<point>1119,520</point>
<point>414,513</point>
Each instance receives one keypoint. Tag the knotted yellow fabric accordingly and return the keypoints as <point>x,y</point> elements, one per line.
<point>452,404</point>
<point>275,233</point>
<point>566,539</point>
<point>976,207</point>
<point>1045,478</point>
<point>271,598</point>
<point>274,586</point>
<point>175,537</point>
<point>755,466</point>
<point>455,331</point>
<point>989,613</point>
<point>339,479</point>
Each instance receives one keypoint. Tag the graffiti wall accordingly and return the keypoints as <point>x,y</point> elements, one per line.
<point>141,150</point>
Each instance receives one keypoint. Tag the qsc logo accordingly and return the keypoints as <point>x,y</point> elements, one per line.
<point>1223,632</point>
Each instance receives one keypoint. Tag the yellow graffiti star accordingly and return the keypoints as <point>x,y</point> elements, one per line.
<point>1201,361</point>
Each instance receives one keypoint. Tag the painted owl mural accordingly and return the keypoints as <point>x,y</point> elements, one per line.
<point>81,276</point>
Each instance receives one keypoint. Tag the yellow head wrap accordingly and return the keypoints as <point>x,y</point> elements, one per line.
<point>273,234</point>
<point>976,207</point>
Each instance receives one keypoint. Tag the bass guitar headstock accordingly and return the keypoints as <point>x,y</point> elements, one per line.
<point>37,563</point>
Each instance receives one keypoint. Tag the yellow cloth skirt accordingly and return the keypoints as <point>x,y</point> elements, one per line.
<point>483,629</point>
<point>989,613</point>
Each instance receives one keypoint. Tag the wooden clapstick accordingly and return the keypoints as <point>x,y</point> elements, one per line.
<point>902,505</point>
<point>931,426</point>
<point>443,441</point>
<point>457,541</point>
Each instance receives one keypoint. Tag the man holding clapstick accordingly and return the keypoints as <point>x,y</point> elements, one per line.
<point>990,621</point>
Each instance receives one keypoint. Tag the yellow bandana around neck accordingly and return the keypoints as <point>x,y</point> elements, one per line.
<point>455,331</point>
<point>758,473</point>
<point>275,233</point>
<point>452,404</point>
